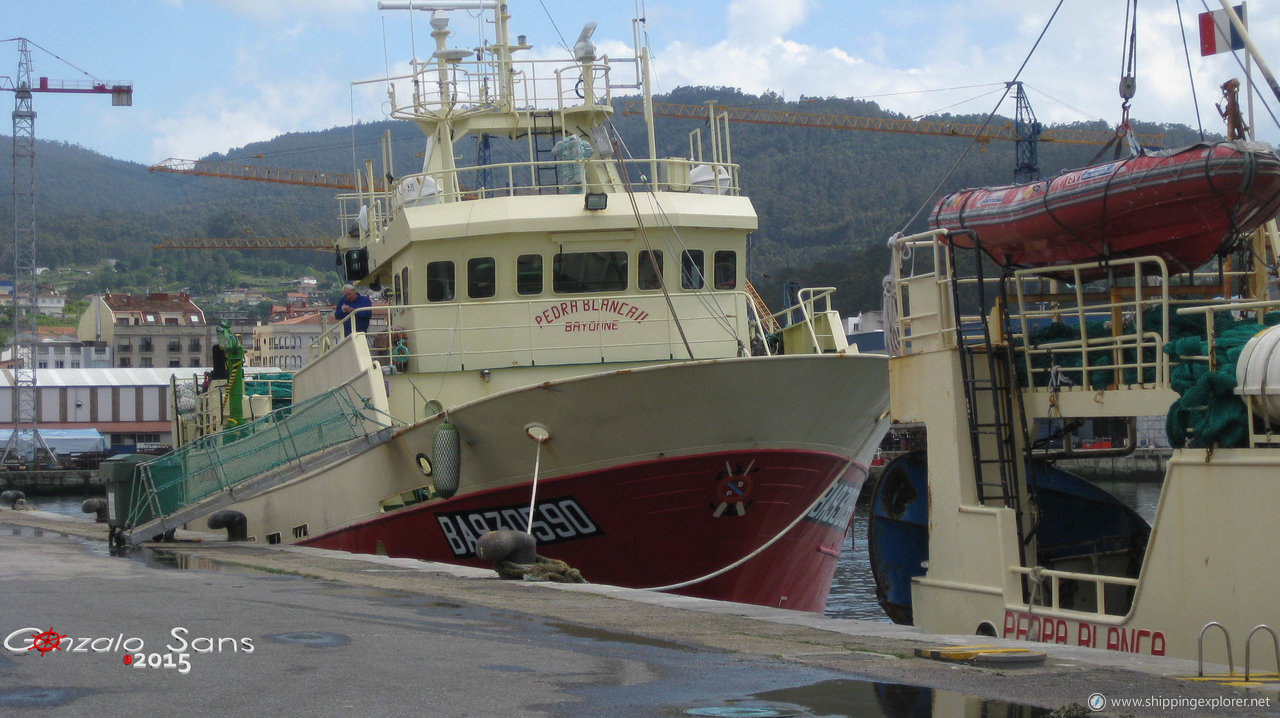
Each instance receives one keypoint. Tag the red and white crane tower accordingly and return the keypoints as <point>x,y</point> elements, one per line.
<point>25,441</point>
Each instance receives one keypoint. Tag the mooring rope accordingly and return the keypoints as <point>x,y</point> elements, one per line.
<point>753,554</point>
<point>533,496</point>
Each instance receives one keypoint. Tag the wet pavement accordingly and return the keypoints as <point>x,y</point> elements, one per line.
<point>196,628</point>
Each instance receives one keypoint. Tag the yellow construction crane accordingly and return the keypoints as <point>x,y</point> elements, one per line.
<point>1025,131</point>
<point>231,170</point>
<point>324,244</point>
<point>940,128</point>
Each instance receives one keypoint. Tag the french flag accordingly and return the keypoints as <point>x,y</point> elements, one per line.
<point>1217,34</point>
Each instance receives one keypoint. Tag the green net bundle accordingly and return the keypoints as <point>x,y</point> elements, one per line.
<point>1208,412</point>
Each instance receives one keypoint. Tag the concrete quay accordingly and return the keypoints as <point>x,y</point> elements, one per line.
<point>249,630</point>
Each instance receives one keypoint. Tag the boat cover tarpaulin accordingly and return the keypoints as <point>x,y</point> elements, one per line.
<point>67,441</point>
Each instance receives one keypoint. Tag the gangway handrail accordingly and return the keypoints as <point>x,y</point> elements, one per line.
<point>216,463</point>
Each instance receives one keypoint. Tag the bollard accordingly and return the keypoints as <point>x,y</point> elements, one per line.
<point>507,545</point>
<point>11,497</point>
<point>234,522</point>
<point>95,506</point>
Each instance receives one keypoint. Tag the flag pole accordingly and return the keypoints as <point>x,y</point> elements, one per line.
<point>1250,47</point>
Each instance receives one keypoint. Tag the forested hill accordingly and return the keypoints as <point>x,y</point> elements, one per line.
<point>827,199</point>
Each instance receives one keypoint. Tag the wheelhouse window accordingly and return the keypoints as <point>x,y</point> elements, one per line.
<point>691,274</point>
<point>726,270</point>
<point>439,281</point>
<point>579,272</point>
<point>529,274</point>
<point>480,277</point>
<point>649,274</point>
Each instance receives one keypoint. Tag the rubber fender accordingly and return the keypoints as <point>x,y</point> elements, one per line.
<point>234,522</point>
<point>507,545</point>
<point>446,458</point>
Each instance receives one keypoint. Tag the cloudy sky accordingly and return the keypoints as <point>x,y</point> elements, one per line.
<point>213,75</point>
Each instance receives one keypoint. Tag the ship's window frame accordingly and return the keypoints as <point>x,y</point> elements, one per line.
<point>402,293</point>
<point>529,274</point>
<point>481,277</point>
<point>692,269</point>
<point>440,281</point>
<point>647,278</point>
<point>589,272</point>
<point>724,265</point>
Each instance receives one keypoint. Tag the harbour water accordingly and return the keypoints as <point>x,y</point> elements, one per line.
<point>853,593</point>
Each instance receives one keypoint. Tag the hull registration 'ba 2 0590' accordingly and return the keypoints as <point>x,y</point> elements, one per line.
<point>554,521</point>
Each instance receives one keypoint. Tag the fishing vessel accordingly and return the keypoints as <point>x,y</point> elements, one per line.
<point>1185,206</point>
<point>986,533</point>
<point>570,348</point>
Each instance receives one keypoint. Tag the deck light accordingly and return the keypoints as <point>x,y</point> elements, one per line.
<point>597,200</point>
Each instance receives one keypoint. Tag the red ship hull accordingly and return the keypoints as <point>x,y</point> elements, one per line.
<point>763,527</point>
<point>1183,206</point>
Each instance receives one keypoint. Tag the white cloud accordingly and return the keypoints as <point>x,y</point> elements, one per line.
<point>752,21</point>
<point>291,8</point>
<point>221,121</point>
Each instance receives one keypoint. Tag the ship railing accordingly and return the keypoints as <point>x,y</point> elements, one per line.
<point>374,210</point>
<point>1116,317</point>
<point>1114,336</point>
<point>1039,575</point>
<point>810,326</point>
<point>922,318</point>
<point>533,86</point>
<point>922,314</point>
<point>454,336</point>
<point>220,462</point>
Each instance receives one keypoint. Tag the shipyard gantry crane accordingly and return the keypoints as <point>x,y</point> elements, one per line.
<point>25,441</point>
<point>1025,130</point>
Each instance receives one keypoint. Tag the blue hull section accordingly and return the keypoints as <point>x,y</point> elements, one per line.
<point>1077,519</point>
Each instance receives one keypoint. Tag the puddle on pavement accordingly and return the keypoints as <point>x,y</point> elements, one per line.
<point>867,699</point>
<point>150,557</point>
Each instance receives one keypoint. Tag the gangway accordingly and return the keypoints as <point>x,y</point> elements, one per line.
<point>223,468</point>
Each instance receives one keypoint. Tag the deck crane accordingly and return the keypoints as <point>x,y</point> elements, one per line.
<point>25,441</point>
<point>1025,130</point>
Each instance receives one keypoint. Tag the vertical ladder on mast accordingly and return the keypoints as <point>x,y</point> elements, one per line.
<point>994,409</point>
<point>543,139</point>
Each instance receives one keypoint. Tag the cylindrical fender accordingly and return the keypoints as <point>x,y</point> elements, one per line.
<point>446,458</point>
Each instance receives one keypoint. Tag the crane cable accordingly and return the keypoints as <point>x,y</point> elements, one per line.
<point>986,123</point>
<point>1128,60</point>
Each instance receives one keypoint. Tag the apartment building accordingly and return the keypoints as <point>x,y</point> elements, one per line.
<point>153,330</point>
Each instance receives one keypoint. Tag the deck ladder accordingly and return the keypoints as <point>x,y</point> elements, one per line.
<point>543,139</point>
<point>994,409</point>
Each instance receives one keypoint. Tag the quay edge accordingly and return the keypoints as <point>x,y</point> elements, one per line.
<point>866,650</point>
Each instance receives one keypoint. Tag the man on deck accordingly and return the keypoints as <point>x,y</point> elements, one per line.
<point>351,301</point>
